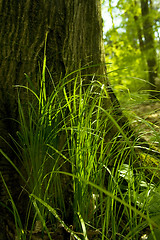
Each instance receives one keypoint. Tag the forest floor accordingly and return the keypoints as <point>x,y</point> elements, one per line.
<point>146,118</point>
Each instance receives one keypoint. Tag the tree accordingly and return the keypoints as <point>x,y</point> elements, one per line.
<point>74,40</point>
<point>149,46</point>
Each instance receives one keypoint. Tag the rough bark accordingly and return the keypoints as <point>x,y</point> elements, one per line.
<point>83,42</point>
<point>74,40</point>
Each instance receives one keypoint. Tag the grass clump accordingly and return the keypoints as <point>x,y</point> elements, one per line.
<point>78,166</point>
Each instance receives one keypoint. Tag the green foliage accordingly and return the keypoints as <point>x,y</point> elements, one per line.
<point>107,193</point>
<point>18,224</point>
<point>125,47</point>
<point>127,68</point>
<point>72,147</point>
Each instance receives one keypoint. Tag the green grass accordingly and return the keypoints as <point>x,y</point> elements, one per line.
<point>77,161</point>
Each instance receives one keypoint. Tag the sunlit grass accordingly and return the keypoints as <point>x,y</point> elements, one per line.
<point>79,162</point>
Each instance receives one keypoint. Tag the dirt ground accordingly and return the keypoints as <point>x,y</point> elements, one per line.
<point>145,117</point>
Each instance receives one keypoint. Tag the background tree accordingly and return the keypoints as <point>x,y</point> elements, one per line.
<point>149,44</point>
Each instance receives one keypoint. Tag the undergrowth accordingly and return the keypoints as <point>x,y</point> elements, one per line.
<point>80,169</point>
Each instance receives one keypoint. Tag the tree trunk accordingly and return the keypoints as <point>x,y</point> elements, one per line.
<point>74,40</point>
<point>83,42</point>
<point>149,47</point>
<point>138,27</point>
